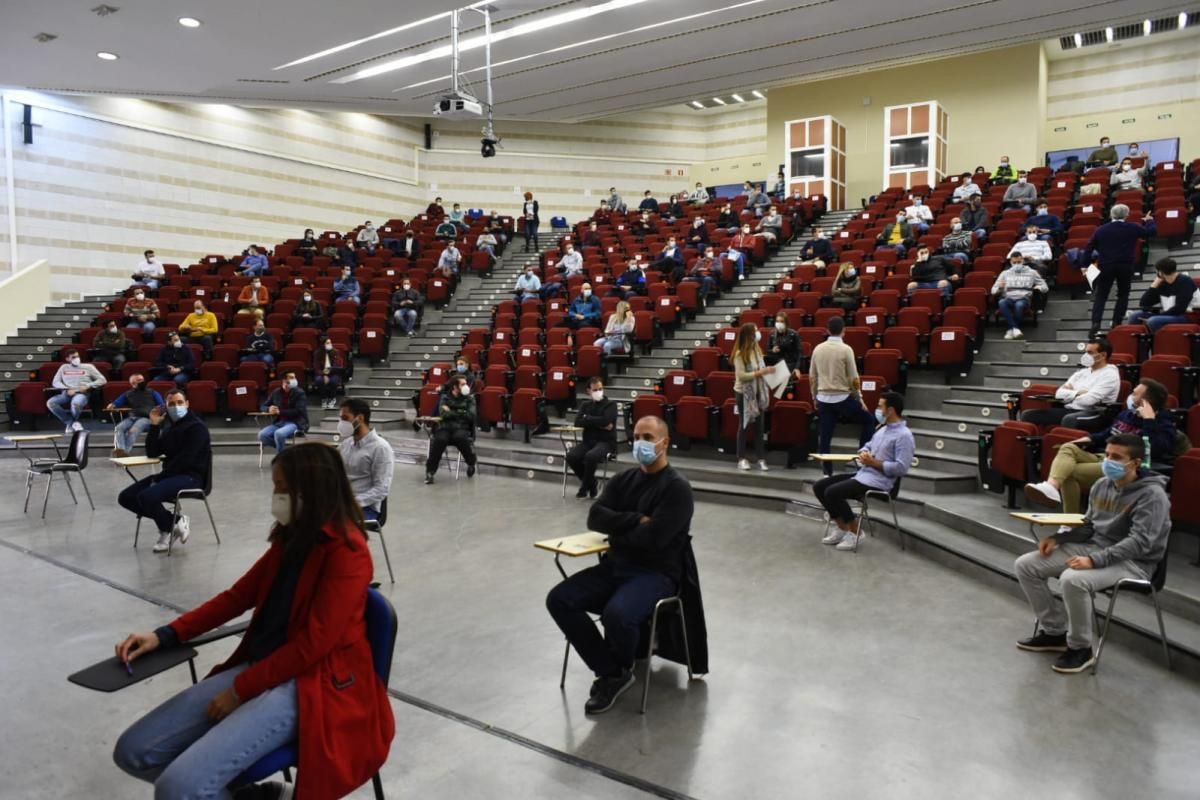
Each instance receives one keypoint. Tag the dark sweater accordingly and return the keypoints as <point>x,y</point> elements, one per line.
<point>1183,289</point>
<point>658,545</point>
<point>1160,430</point>
<point>1116,242</point>
<point>293,407</point>
<point>184,446</point>
<point>595,419</point>
<point>139,401</point>
<point>818,248</point>
<point>788,343</point>
<point>179,357</point>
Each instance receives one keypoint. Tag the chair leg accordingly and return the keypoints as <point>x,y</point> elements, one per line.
<point>28,490</point>
<point>212,521</point>
<point>896,522</point>
<point>1162,631</point>
<point>46,498</point>
<point>650,654</point>
<point>562,682</point>
<point>70,488</point>
<point>174,521</point>
<point>87,491</point>
<point>137,530</point>
<point>1112,601</point>
<point>377,784</point>
<point>687,650</point>
<point>387,558</point>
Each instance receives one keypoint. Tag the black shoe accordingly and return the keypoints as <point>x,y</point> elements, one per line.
<point>1074,660</point>
<point>604,695</point>
<point>269,790</point>
<point>470,470</point>
<point>1043,642</point>
<point>428,477</point>
<point>582,493</point>
<point>593,490</point>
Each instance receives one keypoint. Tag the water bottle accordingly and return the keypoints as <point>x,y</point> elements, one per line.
<point>1146,457</point>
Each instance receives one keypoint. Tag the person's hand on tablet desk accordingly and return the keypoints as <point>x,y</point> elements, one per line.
<point>136,645</point>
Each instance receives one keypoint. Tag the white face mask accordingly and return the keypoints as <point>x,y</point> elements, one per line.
<point>820,236</point>
<point>329,345</point>
<point>1125,168</point>
<point>586,293</point>
<point>758,336</point>
<point>597,395</point>
<point>139,296</point>
<point>281,508</point>
<point>199,312</point>
<point>74,361</point>
<point>292,383</point>
<point>308,298</point>
<point>1043,211</point>
<point>1087,360</point>
<point>464,390</point>
<point>1130,403</point>
<point>345,428</point>
<point>1004,163</point>
<point>781,326</point>
<point>956,227</point>
<point>1021,180</point>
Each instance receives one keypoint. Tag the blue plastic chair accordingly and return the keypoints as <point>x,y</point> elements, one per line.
<point>474,213</point>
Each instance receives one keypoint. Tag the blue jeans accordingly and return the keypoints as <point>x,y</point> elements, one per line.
<point>125,435</point>
<point>187,755</point>
<point>612,344</point>
<point>277,435</point>
<point>948,291</point>
<point>370,514</point>
<point>828,415</point>
<point>256,271</point>
<point>899,248</point>
<point>147,328</point>
<point>1155,321</point>
<point>146,497</point>
<point>981,234</point>
<point>1013,311</point>
<point>147,282</point>
<point>623,597</point>
<point>265,358</point>
<point>738,258</point>
<point>67,407</point>
<point>406,318</point>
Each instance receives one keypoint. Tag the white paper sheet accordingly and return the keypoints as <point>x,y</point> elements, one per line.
<point>778,379</point>
<point>1090,273</point>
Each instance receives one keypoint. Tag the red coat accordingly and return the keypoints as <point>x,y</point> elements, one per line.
<point>345,732</point>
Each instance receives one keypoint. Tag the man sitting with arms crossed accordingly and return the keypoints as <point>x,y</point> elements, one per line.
<point>646,513</point>
<point>457,410</point>
<point>290,407</point>
<point>186,451</point>
<point>885,459</point>
<point>1085,394</point>
<point>139,400</point>
<point>76,380</point>
<point>368,458</point>
<point>1124,535</point>
<point>598,418</point>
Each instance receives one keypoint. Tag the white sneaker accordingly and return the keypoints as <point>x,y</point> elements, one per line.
<point>1064,529</point>
<point>849,541</point>
<point>763,466</point>
<point>1016,333</point>
<point>1043,494</point>
<point>743,464</point>
<point>183,529</point>
<point>164,540</point>
<point>67,431</point>
<point>1008,334</point>
<point>76,426</point>
<point>834,536</point>
<point>741,277</point>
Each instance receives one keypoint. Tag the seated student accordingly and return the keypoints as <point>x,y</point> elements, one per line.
<point>329,368</point>
<point>617,331</point>
<point>585,310</point>
<point>975,218</point>
<point>958,243</point>
<point>1124,535</point>
<point>1106,156</point>
<point>347,287</point>
<point>817,249</point>
<point>1048,225</point>
<point>648,204</point>
<point>406,307</point>
<point>141,312</point>
<point>643,226</point>
<point>307,248</point>
<point>290,406</point>
<point>779,191</point>
<point>616,203</point>
<point>1135,151</point>
<point>1004,172</point>
<point>847,287</point>
<point>699,195</point>
<point>149,271</point>
<point>646,512</point>
<point>933,272</point>
<point>175,362</point>
<point>630,282</point>
<point>459,217</point>
<point>1016,286</point>
<point>884,460</point>
<point>598,417</point>
<point>783,345</point>
<point>728,220</point>
<point>463,370</point>
<point>308,313</point>
<point>332,252</point>
<point>771,225</point>
<point>201,328</point>
<point>139,400</point>
<point>457,410</point>
<point>897,235</point>
<point>368,237</point>
<point>965,188</point>
<point>75,380</point>
<point>345,255</point>
<point>1021,194</point>
<point>1035,250</point>
<point>1076,465</point>
<point>741,243</point>
<point>186,451</point>
<point>602,214</point>
<point>759,201</point>
<point>367,455</point>
<point>435,209</point>
<point>450,260</point>
<point>675,208</point>
<point>571,262</point>
<point>748,189</point>
<point>409,246</point>
<point>255,262</point>
<point>1085,394</point>
<point>670,259</point>
<point>591,237</point>
<point>446,231</point>
<point>110,345</point>
<point>702,272</point>
<point>1167,300</point>
<point>528,285</point>
<point>308,595</point>
<point>918,214</point>
<point>253,297</point>
<point>697,236</point>
<point>486,243</point>
<point>260,345</point>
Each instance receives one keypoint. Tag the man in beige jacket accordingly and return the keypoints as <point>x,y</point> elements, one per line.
<point>835,388</point>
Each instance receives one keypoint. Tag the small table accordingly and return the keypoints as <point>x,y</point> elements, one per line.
<point>834,458</point>
<point>1036,520</point>
<point>135,461</point>
<point>579,544</point>
<point>18,438</point>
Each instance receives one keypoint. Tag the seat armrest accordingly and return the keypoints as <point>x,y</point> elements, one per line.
<point>220,633</point>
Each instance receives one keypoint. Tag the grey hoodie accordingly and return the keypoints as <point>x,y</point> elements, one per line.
<point>1129,524</point>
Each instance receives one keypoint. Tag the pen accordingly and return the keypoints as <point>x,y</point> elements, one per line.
<point>129,669</point>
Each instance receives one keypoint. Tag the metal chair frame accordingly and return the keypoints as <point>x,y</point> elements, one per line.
<point>376,526</point>
<point>200,494</point>
<point>75,461</point>
<point>864,514</point>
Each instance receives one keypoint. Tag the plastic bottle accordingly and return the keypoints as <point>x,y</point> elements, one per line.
<point>1146,457</point>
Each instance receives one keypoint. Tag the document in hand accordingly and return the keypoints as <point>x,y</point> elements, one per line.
<point>1090,273</point>
<point>777,380</point>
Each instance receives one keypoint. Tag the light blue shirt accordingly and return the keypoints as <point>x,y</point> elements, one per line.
<point>894,446</point>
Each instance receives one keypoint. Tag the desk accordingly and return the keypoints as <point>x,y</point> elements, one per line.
<point>18,438</point>
<point>135,461</point>
<point>1042,520</point>
<point>574,546</point>
<point>834,458</point>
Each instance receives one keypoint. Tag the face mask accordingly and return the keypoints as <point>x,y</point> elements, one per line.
<point>139,296</point>
<point>1104,143</point>
<point>850,273</point>
<point>281,508</point>
<point>899,218</point>
<point>781,326</point>
<point>645,452</point>
<point>917,202</point>
<point>256,286</point>
<point>1113,470</point>
<point>259,331</point>
<point>461,368</point>
<point>329,345</point>
<point>956,227</point>
<point>880,417</point>
<point>464,390</point>
<point>113,329</point>
<point>199,312</point>
<point>308,298</point>
<point>1086,360</point>
<point>820,236</point>
<point>345,428</point>
<point>586,293</point>
<point>74,361</point>
<point>177,343</point>
<point>1125,168</point>
<point>1004,163</point>
<point>1129,403</point>
<point>1018,265</point>
<point>177,412</point>
<point>758,336</point>
<point>1021,180</point>
<point>1031,236</point>
<point>292,383</point>
<point>1042,211</point>
<point>597,395</point>
<point>406,287</point>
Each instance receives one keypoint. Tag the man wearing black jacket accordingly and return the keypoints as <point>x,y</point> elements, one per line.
<point>598,418</point>
<point>289,404</point>
<point>175,362</point>
<point>1167,299</point>
<point>646,513</point>
<point>186,452</point>
<point>818,248</point>
<point>457,410</point>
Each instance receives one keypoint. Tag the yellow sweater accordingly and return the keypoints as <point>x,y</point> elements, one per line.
<point>204,325</point>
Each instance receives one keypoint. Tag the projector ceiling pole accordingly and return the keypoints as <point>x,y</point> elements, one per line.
<point>487,44</point>
<point>454,51</point>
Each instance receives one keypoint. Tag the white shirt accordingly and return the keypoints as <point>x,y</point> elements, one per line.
<point>1101,385</point>
<point>1036,249</point>
<point>920,212</point>
<point>150,268</point>
<point>572,262</point>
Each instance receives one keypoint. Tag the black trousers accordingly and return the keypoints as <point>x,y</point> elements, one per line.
<point>835,492</point>
<point>583,460</point>
<point>1122,275</point>
<point>443,438</point>
<point>1090,420</point>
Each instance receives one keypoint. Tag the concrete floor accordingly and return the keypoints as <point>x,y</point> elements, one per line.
<point>833,675</point>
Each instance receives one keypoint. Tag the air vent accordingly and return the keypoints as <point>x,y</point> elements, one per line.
<point>259,80</point>
<point>1133,30</point>
<point>104,10</point>
<point>42,38</point>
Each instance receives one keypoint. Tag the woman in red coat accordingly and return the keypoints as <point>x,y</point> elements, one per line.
<point>303,671</point>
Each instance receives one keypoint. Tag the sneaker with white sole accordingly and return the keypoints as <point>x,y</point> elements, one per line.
<point>183,529</point>
<point>1016,332</point>
<point>834,536</point>
<point>1008,334</point>
<point>76,426</point>
<point>164,541</point>
<point>849,541</point>
<point>1044,494</point>
<point>763,465</point>
<point>741,277</point>
<point>743,464</point>
<point>68,430</point>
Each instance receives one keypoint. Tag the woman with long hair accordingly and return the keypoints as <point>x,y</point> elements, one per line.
<point>303,672</point>
<point>847,287</point>
<point>616,332</point>
<point>750,386</point>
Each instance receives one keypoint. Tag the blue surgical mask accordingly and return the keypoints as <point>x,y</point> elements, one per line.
<point>461,368</point>
<point>177,412</point>
<point>645,452</point>
<point>1113,470</point>
<point>292,383</point>
<point>880,417</point>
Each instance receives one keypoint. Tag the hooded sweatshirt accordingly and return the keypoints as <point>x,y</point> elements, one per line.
<point>1126,524</point>
<point>1020,284</point>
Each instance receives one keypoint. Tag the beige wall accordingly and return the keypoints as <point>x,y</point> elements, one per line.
<point>991,99</point>
<point>25,294</point>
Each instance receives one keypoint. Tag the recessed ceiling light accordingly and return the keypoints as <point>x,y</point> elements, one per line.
<point>190,22</point>
<point>1183,18</point>
<point>1079,40</point>
<point>697,104</point>
<point>1146,26</point>
<point>718,101</point>
<point>1108,34</point>
<point>759,94</point>
<point>738,97</point>
<point>106,56</point>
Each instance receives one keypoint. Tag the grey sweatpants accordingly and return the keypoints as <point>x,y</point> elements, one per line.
<point>1074,613</point>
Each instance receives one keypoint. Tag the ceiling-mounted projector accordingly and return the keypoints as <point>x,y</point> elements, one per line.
<point>458,106</point>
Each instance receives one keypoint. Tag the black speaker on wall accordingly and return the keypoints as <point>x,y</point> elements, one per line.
<point>428,136</point>
<point>27,124</point>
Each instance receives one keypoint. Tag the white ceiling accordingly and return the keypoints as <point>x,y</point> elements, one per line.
<point>723,46</point>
